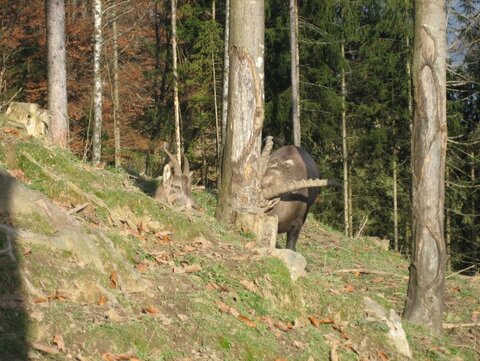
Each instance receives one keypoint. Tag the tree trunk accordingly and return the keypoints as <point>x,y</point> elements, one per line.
<point>448,228</point>
<point>176,105</point>
<point>116,98</point>
<point>295,66</point>
<point>346,212</point>
<point>204,160</point>
<point>226,69</point>
<point>215,104</point>
<point>97,78</point>
<point>424,304</point>
<point>474,211</point>
<point>240,171</point>
<point>395,200</point>
<point>57,73</point>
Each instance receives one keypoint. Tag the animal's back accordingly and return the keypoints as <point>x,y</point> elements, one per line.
<point>286,164</point>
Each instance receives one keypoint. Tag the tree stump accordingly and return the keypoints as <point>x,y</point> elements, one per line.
<point>264,227</point>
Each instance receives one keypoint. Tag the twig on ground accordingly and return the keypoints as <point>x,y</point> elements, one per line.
<point>449,326</point>
<point>79,208</point>
<point>462,270</point>
<point>365,271</point>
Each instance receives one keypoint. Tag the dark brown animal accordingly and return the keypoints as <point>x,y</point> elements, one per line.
<point>292,175</point>
<point>176,187</point>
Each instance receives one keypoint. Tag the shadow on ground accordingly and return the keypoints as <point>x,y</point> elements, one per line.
<point>13,315</point>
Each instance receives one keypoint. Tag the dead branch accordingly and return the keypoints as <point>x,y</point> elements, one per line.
<point>461,271</point>
<point>450,326</point>
<point>79,208</point>
<point>359,233</point>
<point>365,271</point>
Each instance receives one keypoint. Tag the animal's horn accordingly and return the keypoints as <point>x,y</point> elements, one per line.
<point>176,166</point>
<point>273,192</point>
<point>186,166</point>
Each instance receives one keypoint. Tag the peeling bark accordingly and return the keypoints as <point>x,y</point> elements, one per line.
<point>241,178</point>
<point>424,303</point>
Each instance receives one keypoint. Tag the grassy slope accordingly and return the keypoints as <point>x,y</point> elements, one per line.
<point>188,318</point>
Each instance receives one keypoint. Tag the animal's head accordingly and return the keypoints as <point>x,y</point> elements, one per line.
<point>177,189</point>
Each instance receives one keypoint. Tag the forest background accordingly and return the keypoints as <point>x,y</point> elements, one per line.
<point>377,41</point>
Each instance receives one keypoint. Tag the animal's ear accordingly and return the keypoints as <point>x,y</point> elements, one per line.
<point>167,172</point>
<point>190,174</point>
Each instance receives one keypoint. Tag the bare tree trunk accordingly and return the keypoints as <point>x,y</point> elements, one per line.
<point>176,104</point>
<point>474,211</point>
<point>226,69</point>
<point>410,113</point>
<point>295,71</point>
<point>97,78</point>
<point>448,228</point>
<point>395,200</point>
<point>350,201</point>
<point>346,212</point>
<point>204,160</point>
<point>241,171</point>
<point>116,98</point>
<point>57,73</point>
<point>424,304</point>
<point>215,104</point>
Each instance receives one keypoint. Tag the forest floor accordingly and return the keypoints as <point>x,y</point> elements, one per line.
<point>98,270</point>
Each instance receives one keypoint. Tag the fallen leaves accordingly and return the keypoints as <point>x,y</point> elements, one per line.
<point>282,326</point>
<point>102,300</point>
<point>113,279</point>
<point>163,237</point>
<point>45,349</point>
<point>382,355</point>
<point>58,340</point>
<point>193,268</point>
<point>217,287</point>
<point>113,315</point>
<point>57,296</point>
<point>108,356</point>
<point>249,285</point>
<point>317,322</point>
<point>18,173</point>
<point>250,245</point>
<point>223,307</point>
<point>151,310</point>
<point>141,267</point>
<point>11,131</point>
<point>247,321</point>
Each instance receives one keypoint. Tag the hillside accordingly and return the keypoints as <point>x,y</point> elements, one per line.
<point>98,270</point>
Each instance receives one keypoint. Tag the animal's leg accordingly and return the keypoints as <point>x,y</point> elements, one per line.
<point>292,236</point>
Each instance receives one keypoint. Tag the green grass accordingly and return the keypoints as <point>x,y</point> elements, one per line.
<point>206,331</point>
<point>34,222</point>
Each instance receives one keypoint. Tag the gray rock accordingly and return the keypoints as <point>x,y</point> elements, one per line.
<point>396,333</point>
<point>294,261</point>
